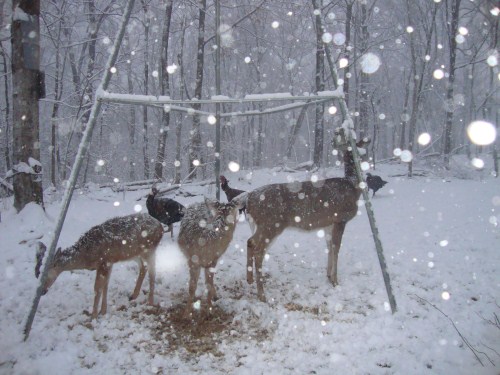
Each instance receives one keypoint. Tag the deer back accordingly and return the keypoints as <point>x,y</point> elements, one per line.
<point>117,239</point>
<point>207,229</point>
<point>303,205</point>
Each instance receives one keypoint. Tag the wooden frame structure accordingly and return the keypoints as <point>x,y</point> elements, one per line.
<point>103,96</point>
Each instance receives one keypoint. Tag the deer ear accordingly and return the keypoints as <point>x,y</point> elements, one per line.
<point>212,205</point>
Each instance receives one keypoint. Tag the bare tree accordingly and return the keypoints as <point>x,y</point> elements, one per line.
<point>364,78</point>
<point>146,23</point>
<point>347,49</point>
<point>132,111</point>
<point>419,65</point>
<point>195,139</point>
<point>165,90</point>
<point>3,57</point>
<point>27,87</point>
<point>55,32</point>
<point>452,24</point>
<point>178,125</point>
<point>320,86</point>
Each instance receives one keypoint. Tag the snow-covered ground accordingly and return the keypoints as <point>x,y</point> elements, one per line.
<point>441,241</point>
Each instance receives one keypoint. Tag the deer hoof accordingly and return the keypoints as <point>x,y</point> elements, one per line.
<point>334,282</point>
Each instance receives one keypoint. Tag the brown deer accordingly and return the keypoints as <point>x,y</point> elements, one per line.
<point>121,238</point>
<point>308,206</point>
<point>206,230</point>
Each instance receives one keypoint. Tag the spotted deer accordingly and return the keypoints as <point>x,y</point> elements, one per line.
<point>119,239</point>
<point>324,204</point>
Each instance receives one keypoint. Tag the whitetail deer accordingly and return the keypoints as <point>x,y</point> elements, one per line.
<point>328,203</point>
<point>121,238</point>
<point>206,230</point>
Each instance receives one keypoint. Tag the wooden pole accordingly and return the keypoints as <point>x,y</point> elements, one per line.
<point>217,105</point>
<point>349,127</point>
<point>82,150</point>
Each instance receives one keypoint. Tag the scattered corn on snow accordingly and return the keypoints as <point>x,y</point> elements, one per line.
<point>441,240</point>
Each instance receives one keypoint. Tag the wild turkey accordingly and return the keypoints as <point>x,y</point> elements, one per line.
<point>165,210</point>
<point>230,192</point>
<point>374,182</point>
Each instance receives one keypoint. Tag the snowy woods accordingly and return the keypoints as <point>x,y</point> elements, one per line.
<point>415,75</point>
<point>113,100</point>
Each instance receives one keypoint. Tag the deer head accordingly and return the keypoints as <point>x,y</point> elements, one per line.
<point>227,212</point>
<point>53,272</point>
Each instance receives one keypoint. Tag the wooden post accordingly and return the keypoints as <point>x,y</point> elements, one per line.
<point>217,105</point>
<point>348,125</point>
<point>82,150</point>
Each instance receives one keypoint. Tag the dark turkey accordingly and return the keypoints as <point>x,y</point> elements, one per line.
<point>230,192</point>
<point>374,182</point>
<point>165,210</point>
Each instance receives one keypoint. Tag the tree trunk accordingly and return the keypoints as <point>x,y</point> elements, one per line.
<point>448,131</point>
<point>145,154</point>
<point>295,131</point>
<point>89,91</point>
<point>27,90</point>
<point>494,45</point>
<point>257,156</point>
<point>404,115</point>
<point>347,50</point>
<point>418,79</point>
<point>320,86</point>
<point>178,126</point>
<point>132,122</point>
<point>364,102</point>
<point>165,90</point>
<point>58,91</point>
<point>8,163</point>
<point>195,139</point>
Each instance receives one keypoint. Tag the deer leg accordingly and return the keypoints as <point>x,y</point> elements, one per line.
<point>250,266</point>
<point>104,305</point>
<point>329,245</point>
<point>152,276</point>
<point>99,279</point>
<point>209,282</point>
<point>140,278</point>
<point>259,257</point>
<point>100,282</point>
<point>194,274</point>
<point>333,251</point>
<point>171,230</point>
<point>257,245</point>
<point>250,247</point>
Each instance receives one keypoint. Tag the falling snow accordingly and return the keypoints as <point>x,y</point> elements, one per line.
<point>339,39</point>
<point>481,133</point>
<point>439,229</point>
<point>370,63</point>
